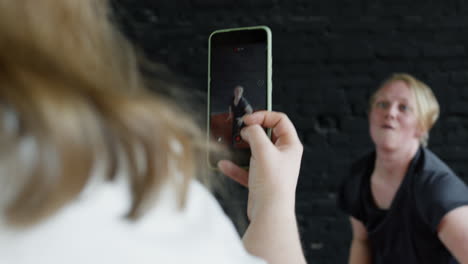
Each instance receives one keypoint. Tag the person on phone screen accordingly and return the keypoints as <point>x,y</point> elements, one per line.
<point>238,107</point>
<point>405,204</point>
<point>96,168</point>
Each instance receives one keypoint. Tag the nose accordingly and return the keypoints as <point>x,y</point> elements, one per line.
<point>392,111</point>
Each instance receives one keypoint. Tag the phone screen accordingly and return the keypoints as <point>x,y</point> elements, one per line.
<point>238,86</point>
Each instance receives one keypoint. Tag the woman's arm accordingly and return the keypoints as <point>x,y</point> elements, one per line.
<point>272,178</point>
<point>359,251</point>
<point>230,113</point>
<point>453,232</point>
<point>248,109</point>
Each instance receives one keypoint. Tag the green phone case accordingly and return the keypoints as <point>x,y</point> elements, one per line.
<point>268,81</point>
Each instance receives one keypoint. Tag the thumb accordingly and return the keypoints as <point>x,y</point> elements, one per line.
<point>258,140</point>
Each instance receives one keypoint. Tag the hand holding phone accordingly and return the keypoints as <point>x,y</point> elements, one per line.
<point>274,165</point>
<point>272,181</point>
<point>239,83</point>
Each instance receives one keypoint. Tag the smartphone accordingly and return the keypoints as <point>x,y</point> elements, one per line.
<point>239,83</point>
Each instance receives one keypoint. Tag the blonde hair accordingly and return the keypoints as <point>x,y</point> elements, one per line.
<point>71,94</point>
<point>427,107</point>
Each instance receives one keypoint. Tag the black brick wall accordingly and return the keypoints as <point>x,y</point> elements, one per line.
<point>328,56</point>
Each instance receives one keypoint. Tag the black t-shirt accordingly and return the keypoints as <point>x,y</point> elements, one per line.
<point>239,109</point>
<point>407,231</point>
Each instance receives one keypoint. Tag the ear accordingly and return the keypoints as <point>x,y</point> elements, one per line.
<point>420,132</point>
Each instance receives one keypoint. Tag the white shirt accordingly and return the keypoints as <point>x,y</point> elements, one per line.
<point>92,229</point>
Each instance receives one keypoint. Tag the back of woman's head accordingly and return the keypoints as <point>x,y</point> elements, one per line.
<point>72,99</point>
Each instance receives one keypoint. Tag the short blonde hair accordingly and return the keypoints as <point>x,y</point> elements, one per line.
<point>427,107</point>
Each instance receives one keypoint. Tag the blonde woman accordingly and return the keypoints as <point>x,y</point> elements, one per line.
<point>96,169</point>
<point>405,204</point>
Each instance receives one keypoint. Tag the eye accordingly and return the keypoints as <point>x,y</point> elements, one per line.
<point>403,107</point>
<point>382,104</point>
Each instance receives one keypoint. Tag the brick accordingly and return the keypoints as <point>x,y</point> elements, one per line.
<point>382,69</point>
<point>449,23</point>
<point>256,4</point>
<point>316,140</point>
<point>352,68</point>
<point>340,140</point>
<point>390,9</point>
<point>412,23</point>
<point>169,4</point>
<point>360,144</point>
<point>463,7</point>
<point>307,23</point>
<point>437,51</point>
<point>439,77</point>
<point>312,8</point>
<point>301,52</point>
<point>213,3</point>
<point>436,136</point>
<point>457,137</point>
<point>302,123</point>
<point>326,124</point>
<point>354,125</point>
<point>460,77</point>
<point>393,51</point>
<point>361,80</point>
<point>352,51</point>
<point>458,108</point>
<point>453,153</point>
<point>428,67</point>
<point>463,91</point>
<point>293,70</point>
<point>351,26</point>
<point>454,64</point>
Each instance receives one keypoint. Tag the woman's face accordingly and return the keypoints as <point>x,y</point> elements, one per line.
<point>393,119</point>
<point>238,91</point>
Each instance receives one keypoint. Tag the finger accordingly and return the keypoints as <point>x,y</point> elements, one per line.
<point>282,127</point>
<point>258,140</point>
<point>234,172</point>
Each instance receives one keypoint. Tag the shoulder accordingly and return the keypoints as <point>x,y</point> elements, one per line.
<point>431,164</point>
<point>351,185</point>
<point>200,232</point>
<point>204,232</point>
<point>244,101</point>
<point>433,173</point>
<point>437,189</point>
<point>357,172</point>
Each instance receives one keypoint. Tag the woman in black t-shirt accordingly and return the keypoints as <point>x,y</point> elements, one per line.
<point>238,107</point>
<point>405,204</point>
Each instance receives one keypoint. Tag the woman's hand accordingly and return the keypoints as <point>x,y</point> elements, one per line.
<point>274,164</point>
<point>272,179</point>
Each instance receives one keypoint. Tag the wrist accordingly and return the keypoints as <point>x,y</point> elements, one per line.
<point>273,208</point>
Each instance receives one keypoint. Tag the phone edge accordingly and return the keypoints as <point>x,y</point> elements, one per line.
<point>269,78</point>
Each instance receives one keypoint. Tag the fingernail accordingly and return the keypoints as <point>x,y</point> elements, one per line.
<point>253,115</point>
